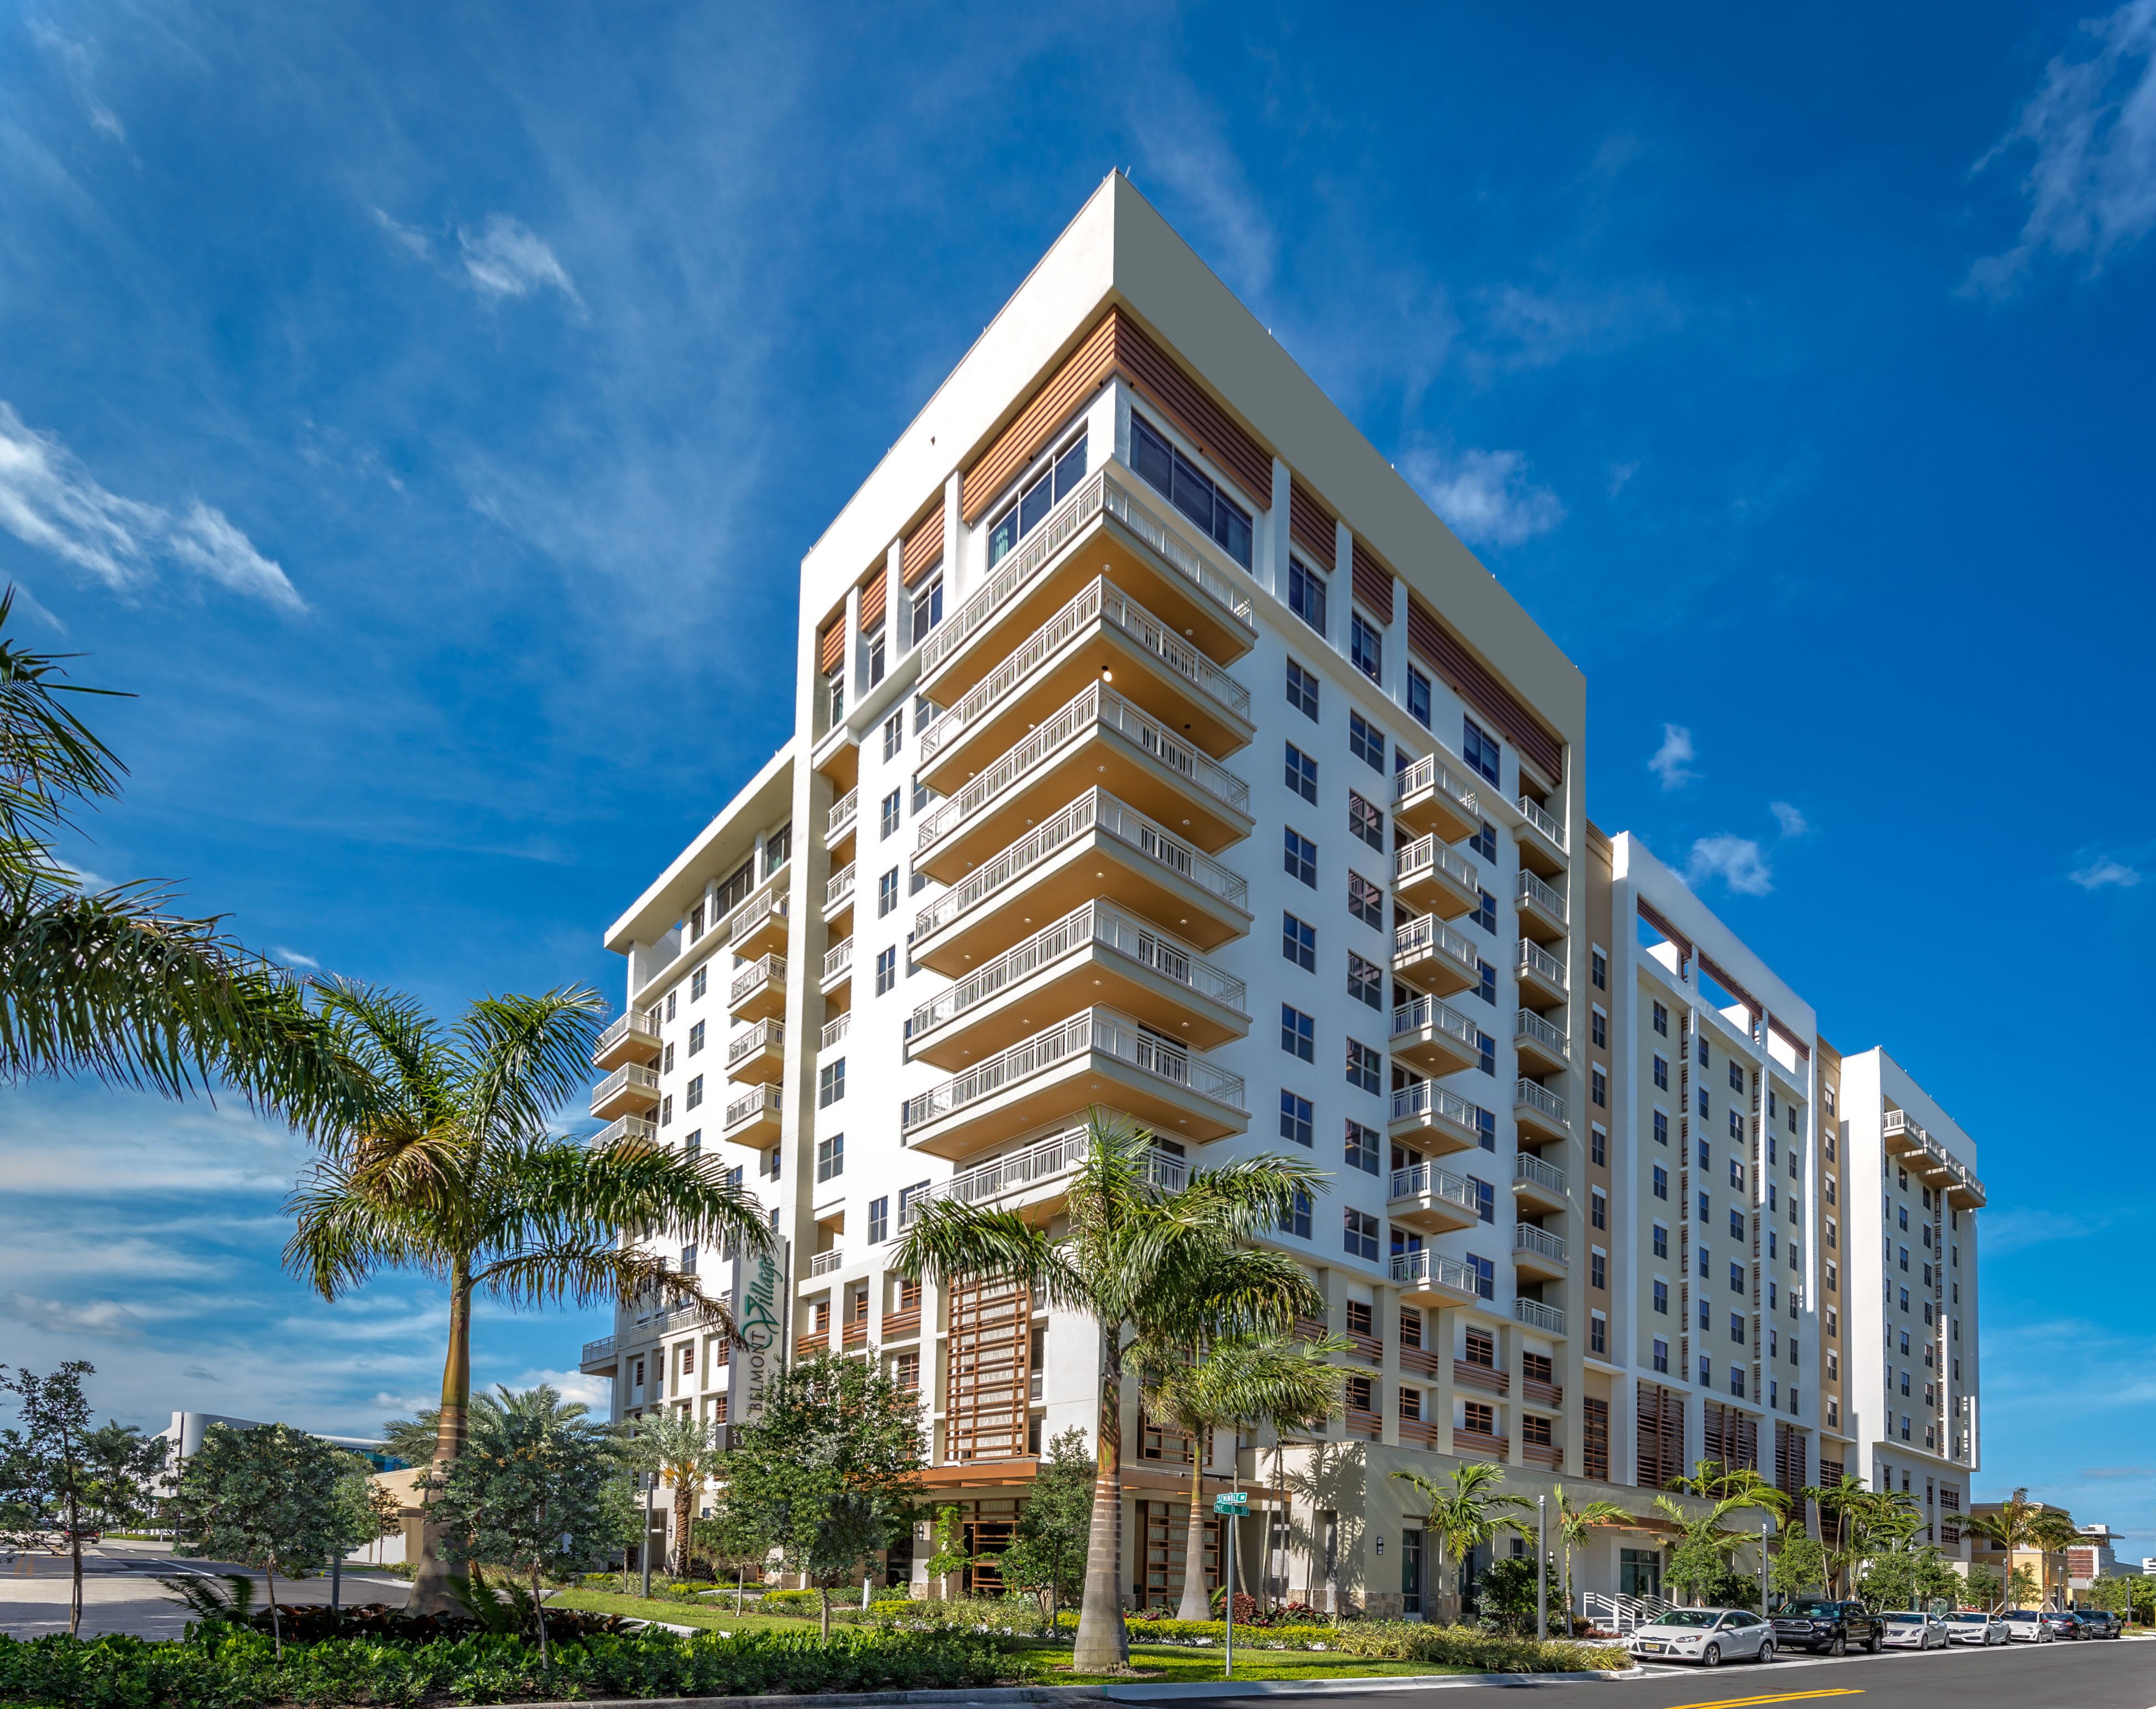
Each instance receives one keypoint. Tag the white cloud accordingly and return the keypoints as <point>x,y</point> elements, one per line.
<point>74,56</point>
<point>1793,823</point>
<point>291,957</point>
<point>1620,476</point>
<point>506,259</point>
<point>1181,137</point>
<point>49,499</point>
<point>101,1317</point>
<point>411,237</point>
<point>2091,186</point>
<point>1672,760</point>
<point>1737,861</point>
<point>2104,871</point>
<point>595,1392</point>
<point>1484,496</point>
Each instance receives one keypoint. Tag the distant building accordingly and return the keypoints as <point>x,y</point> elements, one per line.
<point>2049,1566</point>
<point>184,1439</point>
<point>2096,1558</point>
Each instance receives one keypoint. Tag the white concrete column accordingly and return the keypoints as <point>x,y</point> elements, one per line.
<point>850,655</point>
<point>1273,571</point>
<point>954,533</point>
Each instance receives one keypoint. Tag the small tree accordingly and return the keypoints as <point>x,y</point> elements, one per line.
<point>265,1497</point>
<point>685,1451</point>
<point>1047,1552</point>
<point>2023,1586</point>
<point>732,1536</point>
<point>1800,1569</point>
<point>830,1470</point>
<point>1465,1511</point>
<point>1907,1575</point>
<point>45,1467</point>
<point>1983,1585</point>
<point>947,1553</point>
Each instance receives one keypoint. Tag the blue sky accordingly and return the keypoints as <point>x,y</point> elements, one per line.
<point>424,411</point>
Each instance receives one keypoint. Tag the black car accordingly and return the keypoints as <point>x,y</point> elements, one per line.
<point>1829,1628</point>
<point>2096,1623</point>
<point>2062,1623</point>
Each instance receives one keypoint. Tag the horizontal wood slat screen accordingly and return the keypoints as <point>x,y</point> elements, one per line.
<point>1437,647</point>
<point>1660,1439</point>
<point>831,647</point>
<point>1654,917</point>
<point>872,597</point>
<point>1310,527</point>
<point>1069,385</point>
<point>1373,584</point>
<point>1153,371</point>
<point>1708,966</point>
<point>924,547</point>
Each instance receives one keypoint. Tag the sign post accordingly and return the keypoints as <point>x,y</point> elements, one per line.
<point>1230,1508</point>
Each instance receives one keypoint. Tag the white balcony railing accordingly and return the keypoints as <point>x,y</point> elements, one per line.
<point>824,1263</point>
<point>1527,1166</point>
<point>1094,496</point>
<point>1428,1012</point>
<point>1427,1098</point>
<point>754,912</point>
<point>640,1020</point>
<point>1431,772</point>
<point>1540,1098</point>
<point>1100,923</point>
<point>1037,1164</point>
<point>1097,1031</point>
<point>1428,1267</point>
<point>1425,932</point>
<point>1537,1316</point>
<point>1095,810</point>
<point>1420,1178</point>
<point>1101,600</point>
<point>834,1031</point>
<point>1094,706</point>
<point>1528,1024</point>
<point>1426,853</point>
<point>1540,818</point>
<point>840,819</point>
<point>622,1079</point>
<point>753,1106</point>
<point>767,1034</point>
<point>838,959</point>
<point>839,888</point>
<point>1539,961</point>
<point>1528,890</point>
<point>1527,1237</point>
<point>625,1128</point>
<point>767,970</point>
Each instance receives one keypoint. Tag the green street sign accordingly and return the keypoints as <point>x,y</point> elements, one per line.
<point>1238,1504</point>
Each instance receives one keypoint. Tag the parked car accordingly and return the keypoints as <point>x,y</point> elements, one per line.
<point>1709,1636</point>
<point>2097,1623</point>
<point>1829,1628</point>
<point>1906,1629</point>
<point>2028,1626</point>
<point>2062,1623</point>
<point>1985,1630</point>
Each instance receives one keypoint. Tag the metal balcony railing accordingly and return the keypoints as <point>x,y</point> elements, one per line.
<point>1538,1316</point>
<point>622,1079</point>
<point>766,1034</point>
<point>1535,960</point>
<point>824,1263</point>
<point>839,887</point>
<point>1426,853</point>
<point>767,970</point>
<point>1541,1098</point>
<point>623,1127</point>
<point>1540,818</point>
<point>752,1105</point>
<point>1528,1024</point>
<point>1527,1237</point>
<point>1526,1167</point>
<point>754,912</point>
<point>1427,932</point>
<point>1095,923</point>
<point>1098,1031</point>
<point>1420,1178</point>
<point>1036,1163</point>
<point>1428,771</point>
<point>841,819</point>
<point>1526,888</point>
<point>1428,1012</point>
<point>640,1020</point>
<point>838,959</point>
<point>1428,1098</point>
<point>834,1031</point>
<point>1433,1267</point>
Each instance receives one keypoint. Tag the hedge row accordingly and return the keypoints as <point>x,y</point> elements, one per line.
<point>225,1669</point>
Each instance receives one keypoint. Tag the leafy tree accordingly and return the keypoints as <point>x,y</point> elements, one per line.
<point>1843,1507</point>
<point>830,1470</point>
<point>56,1473</point>
<point>1465,1513</point>
<point>685,1451</point>
<point>732,1536</point>
<point>949,1555</point>
<point>1505,1594</point>
<point>454,1172</point>
<point>1908,1575</point>
<point>121,1466</point>
<point>528,1493</point>
<point>109,983</point>
<point>1142,1260</point>
<point>1047,1552</point>
<point>2111,1595</point>
<point>2022,1588</point>
<point>265,1497</point>
<point>2021,1526</point>
<point>1703,1564</point>
<point>1739,1486</point>
<point>1983,1585</point>
<point>1800,1569</point>
<point>386,1509</point>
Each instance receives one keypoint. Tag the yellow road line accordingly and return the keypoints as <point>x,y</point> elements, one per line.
<point>1779,1697</point>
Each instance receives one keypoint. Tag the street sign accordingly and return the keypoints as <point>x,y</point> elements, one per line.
<point>1238,1504</point>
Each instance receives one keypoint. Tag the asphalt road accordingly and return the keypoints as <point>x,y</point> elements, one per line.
<point>121,1592</point>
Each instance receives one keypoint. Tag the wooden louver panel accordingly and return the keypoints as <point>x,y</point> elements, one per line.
<point>1437,647</point>
<point>1804,1050</point>
<point>1081,375</point>
<point>1660,1439</point>
<point>924,547</point>
<point>988,1387</point>
<point>1654,917</point>
<point>1732,1437</point>
<point>1594,1439</point>
<point>831,646</point>
<point>1789,1460</point>
<point>1310,527</point>
<point>872,597</point>
<point>1708,966</point>
<point>1373,584</point>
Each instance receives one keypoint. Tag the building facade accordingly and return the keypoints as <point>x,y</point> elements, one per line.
<point>1158,750</point>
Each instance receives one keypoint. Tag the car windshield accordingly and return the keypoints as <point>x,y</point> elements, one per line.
<point>1904,1620</point>
<point>1971,1619</point>
<point>2022,1614</point>
<point>1690,1617</point>
<point>1815,1611</point>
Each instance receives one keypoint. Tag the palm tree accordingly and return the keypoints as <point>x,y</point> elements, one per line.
<point>1706,1531</point>
<point>1844,1501</point>
<point>455,1173</point>
<point>1572,1525</point>
<point>1235,1377</point>
<point>2022,1526</point>
<point>685,1450</point>
<point>1145,1261</point>
<point>1713,1481</point>
<point>1465,1513</point>
<point>108,981</point>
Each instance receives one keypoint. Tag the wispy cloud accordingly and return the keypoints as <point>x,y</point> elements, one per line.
<point>2016,1230</point>
<point>1739,862</point>
<point>2105,872</point>
<point>1793,822</point>
<point>1181,141</point>
<point>292,957</point>
<point>49,500</point>
<point>1672,760</point>
<point>99,1317</point>
<point>410,237</point>
<point>2091,186</point>
<point>74,57</point>
<point>1484,496</point>
<point>505,257</point>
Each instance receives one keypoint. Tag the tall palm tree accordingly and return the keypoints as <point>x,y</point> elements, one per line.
<point>2021,1526</point>
<point>1713,1481</point>
<point>1843,1504</point>
<point>1709,1528</point>
<point>1145,1262</point>
<point>1574,1525</point>
<point>456,1174</point>
<point>1465,1513</point>
<point>108,981</point>
<point>1234,1378</point>
<point>685,1451</point>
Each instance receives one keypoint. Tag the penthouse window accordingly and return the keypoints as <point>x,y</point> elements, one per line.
<point>1306,594</point>
<point>928,609</point>
<point>1186,486</point>
<point>1480,750</point>
<point>1367,742</point>
<point>1056,478</point>
<point>1366,647</point>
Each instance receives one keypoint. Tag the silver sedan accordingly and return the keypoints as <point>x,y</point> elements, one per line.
<point>1709,1636</point>
<point>1909,1630</point>
<point>1981,1629</point>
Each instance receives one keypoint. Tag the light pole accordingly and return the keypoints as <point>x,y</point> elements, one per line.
<point>650,1484</point>
<point>1766,1520</point>
<point>1542,1566</point>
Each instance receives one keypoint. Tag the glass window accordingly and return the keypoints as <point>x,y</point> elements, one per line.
<point>1301,858</point>
<point>1366,821</point>
<point>831,1083</point>
<point>879,1221</point>
<point>1298,1032</point>
<point>1486,912</point>
<point>1662,1306</point>
<point>894,733</point>
<point>888,819</point>
<point>1366,647</point>
<point>1661,1182</point>
<point>1661,1240</point>
<point>1486,1276</point>
<point>928,609</point>
<point>695,1096</point>
<point>1295,1119</point>
<point>1302,691</point>
<point>1362,1147</point>
<point>1486,981</point>
<point>1306,594</point>
<point>1301,774</point>
<point>1296,1222</point>
<point>1480,750</point>
<point>1484,842</point>
<point>1189,489</point>
<point>1366,902</point>
<point>1366,742</point>
<point>1360,1238</point>
<point>696,1038</point>
<point>886,970</point>
<point>886,893</point>
<point>1364,1066</point>
<point>1365,981</point>
<point>1299,942</point>
<point>1662,1020</point>
<point>831,1156</point>
<point>1053,480</point>
<point>1417,697</point>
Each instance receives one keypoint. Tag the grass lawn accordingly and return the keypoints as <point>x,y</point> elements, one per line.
<point>1174,1662</point>
<point>714,1611</point>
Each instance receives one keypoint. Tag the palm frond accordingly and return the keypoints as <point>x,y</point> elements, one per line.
<point>950,1240</point>
<point>591,1271</point>
<point>526,1056</point>
<point>49,760</point>
<point>632,1184</point>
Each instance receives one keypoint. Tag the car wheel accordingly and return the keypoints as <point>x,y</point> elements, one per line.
<point>1877,1644</point>
<point>1767,1651</point>
<point>1711,1656</point>
<point>1839,1647</point>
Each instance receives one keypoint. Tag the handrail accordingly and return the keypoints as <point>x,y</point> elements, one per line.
<point>1096,809</point>
<point>1090,923</point>
<point>838,958</point>
<point>1428,772</point>
<point>765,970</point>
<point>753,1102</point>
<point>1538,1316</point>
<point>1427,931</point>
<point>1038,1162</point>
<point>1427,1266</point>
<point>1427,851</point>
<point>824,1263</point>
<point>1098,600</point>
<point>1540,818</point>
<point>757,909</point>
<point>838,886</point>
<point>1540,1097</point>
<point>1096,1029</point>
<point>628,1075</point>
<point>644,1020</point>
<point>1097,494</point>
<point>1092,705</point>
<point>840,819</point>
<point>765,1034</point>
<point>1427,1098</point>
<point>1428,1012</point>
<point>623,1127</point>
<point>1527,1237</point>
<point>1419,1178</point>
<point>1898,1122</point>
<point>1535,959</point>
<point>836,1030</point>
<point>1527,1166</point>
<point>1528,1024</point>
<point>1528,888</point>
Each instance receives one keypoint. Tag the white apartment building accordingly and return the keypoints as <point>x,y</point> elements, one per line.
<point>1158,750</point>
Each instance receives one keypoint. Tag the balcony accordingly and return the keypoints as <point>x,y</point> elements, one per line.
<point>1103,635</point>
<point>759,925</point>
<point>1030,1173</point>
<point>838,966</point>
<point>1096,848</point>
<point>1548,1319</point>
<point>753,1119</point>
<point>1431,799</point>
<point>1431,1119</point>
<point>630,1091</point>
<point>1538,1113</point>
<point>1538,1253</point>
<point>1431,957</point>
<point>758,991</point>
<point>902,1324</point>
<point>632,1036</point>
<point>1905,1138</point>
<point>826,1263</point>
<point>1542,840</point>
<point>1429,1279</point>
<point>1540,974</point>
<point>1466,1372</point>
<point>1104,526</point>
<point>1543,1047</point>
<point>1438,881</point>
<point>1098,1057</point>
<point>838,891</point>
<point>834,1032</point>
<point>624,1128</point>
<point>600,1357</point>
<point>1466,1442</point>
<point>839,821</point>
<point>1434,1038</point>
<point>756,1055</point>
<point>1097,738</point>
<point>1435,1200</point>
<point>1542,907</point>
<point>1097,954</point>
<point>1540,1184</point>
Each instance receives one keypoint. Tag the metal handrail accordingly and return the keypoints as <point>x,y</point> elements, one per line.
<point>1527,1166</point>
<point>749,1040</point>
<point>1428,772</point>
<point>824,1263</point>
<point>1419,1178</point>
<point>1538,1316</point>
<point>753,913</point>
<point>1091,923</point>
<point>1427,1098</point>
<point>1540,1097</point>
<point>1527,1237</point>
<point>645,1020</point>
<point>1427,1266</point>
<point>838,958</point>
<point>623,1127</point>
<point>1427,851</point>
<point>1426,932</point>
<point>834,1031</point>
<point>1539,961</point>
<point>838,886</point>
<point>1540,818</point>
<point>629,1074</point>
<point>1428,1012</point>
<point>1528,1024</point>
<point>1100,1030</point>
<point>752,1103</point>
<point>1528,888</point>
<point>840,819</point>
<point>1096,809</point>
<point>765,970</point>
<point>1040,1163</point>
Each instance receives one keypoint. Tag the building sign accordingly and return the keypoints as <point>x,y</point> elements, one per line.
<point>759,1339</point>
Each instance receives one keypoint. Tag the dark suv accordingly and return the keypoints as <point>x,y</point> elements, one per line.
<point>1831,1628</point>
<point>2097,1623</point>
